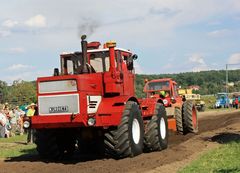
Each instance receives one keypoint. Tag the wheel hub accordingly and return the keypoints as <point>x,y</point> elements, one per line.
<point>136,131</point>
<point>162,128</point>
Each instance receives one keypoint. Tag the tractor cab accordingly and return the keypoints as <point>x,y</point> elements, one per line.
<point>164,89</point>
<point>97,61</point>
<point>114,65</point>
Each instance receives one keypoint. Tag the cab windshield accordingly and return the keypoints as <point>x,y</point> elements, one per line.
<point>99,62</point>
<point>153,86</point>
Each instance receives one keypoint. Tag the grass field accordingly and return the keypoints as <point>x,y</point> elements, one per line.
<point>221,160</point>
<point>15,146</point>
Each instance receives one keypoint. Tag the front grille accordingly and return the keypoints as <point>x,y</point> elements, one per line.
<point>58,104</point>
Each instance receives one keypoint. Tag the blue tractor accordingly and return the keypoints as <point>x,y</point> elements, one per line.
<point>222,101</point>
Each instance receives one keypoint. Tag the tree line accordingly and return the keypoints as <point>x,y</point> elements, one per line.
<point>210,82</point>
<point>19,93</point>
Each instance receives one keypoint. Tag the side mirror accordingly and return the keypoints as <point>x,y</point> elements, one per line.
<point>56,72</point>
<point>130,61</point>
<point>134,57</point>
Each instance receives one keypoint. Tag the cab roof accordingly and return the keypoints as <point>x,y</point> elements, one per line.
<point>97,50</point>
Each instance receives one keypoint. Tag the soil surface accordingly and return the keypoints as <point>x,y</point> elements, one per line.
<point>215,128</point>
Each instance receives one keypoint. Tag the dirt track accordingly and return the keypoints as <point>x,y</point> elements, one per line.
<point>214,128</point>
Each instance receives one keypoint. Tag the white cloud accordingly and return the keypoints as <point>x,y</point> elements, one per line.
<point>219,33</point>
<point>9,23</point>
<point>196,59</point>
<point>17,67</point>
<point>4,33</point>
<point>16,50</point>
<point>198,62</point>
<point>234,59</point>
<point>38,21</point>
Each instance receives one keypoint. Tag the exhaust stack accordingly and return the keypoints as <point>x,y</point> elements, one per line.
<point>83,67</point>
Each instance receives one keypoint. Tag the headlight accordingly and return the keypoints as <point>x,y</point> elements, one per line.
<point>165,101</point>
<point>26,124</point>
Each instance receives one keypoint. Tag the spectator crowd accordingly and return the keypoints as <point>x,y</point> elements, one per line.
<point>11,119</point>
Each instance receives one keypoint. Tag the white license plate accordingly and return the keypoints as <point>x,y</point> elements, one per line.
<point>58,109</point>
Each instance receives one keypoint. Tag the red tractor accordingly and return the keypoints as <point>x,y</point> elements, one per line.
<point>182,114</point>
<point>91,103</point>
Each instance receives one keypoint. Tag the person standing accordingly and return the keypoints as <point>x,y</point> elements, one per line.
<point>30,112</point>
<point>13,122</point>
<point>3,121</point>
<point>236,102</point>
<point>20,114</point>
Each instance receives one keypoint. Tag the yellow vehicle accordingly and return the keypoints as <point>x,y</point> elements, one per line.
<point>187,93</point>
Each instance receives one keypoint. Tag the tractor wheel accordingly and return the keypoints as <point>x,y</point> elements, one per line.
<point>190,120</point>
<point>54,144</point>
<point>156,130</point>
<point>179,120</point>
<point>127,138</point>
<point>66,141</point>
<point>46,142</point>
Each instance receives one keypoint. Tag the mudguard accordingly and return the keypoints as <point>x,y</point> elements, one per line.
<point>110,110</point>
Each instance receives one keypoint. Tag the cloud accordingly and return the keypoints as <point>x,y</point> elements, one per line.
<point>234,59</point>
<point>196,59</point>
<point>4,33</point>
<point>167,12</point>
<point>219,33</point>
<point>9,23</point>
<point>38,21</point>
<point>17,67</point>
<point>198,63</point>
<point>17,50</point>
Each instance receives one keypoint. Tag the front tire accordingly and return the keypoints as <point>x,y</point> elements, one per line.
<point>126,140</point>
<point>156,131</point>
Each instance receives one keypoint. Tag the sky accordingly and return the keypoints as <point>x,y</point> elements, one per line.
<point>169,36</point>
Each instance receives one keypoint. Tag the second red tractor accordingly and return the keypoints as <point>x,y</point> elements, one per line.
<point>182,114</point>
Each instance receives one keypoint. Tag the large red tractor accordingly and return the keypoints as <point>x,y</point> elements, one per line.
<point>90,103</point>
<point>182,114</point>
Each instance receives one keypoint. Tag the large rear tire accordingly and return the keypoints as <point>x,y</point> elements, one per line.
<point>126,140</point>
<point>190,117</point>
<point>156,131</point>
<point>54,143</point>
